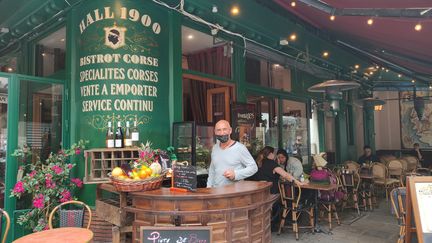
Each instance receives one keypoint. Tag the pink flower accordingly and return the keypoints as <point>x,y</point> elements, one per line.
<point>77,151</point>
<point>77,181</point>
<point>18,188</point>
<point>33,173</point>
<point>142,154</point>
<point>38,201</point>
<point>46,227</point>
<point>70,166</point>
<point>48,176</point>
<point>65,196</point>
<point>49,183</point>
<point>57,169</point>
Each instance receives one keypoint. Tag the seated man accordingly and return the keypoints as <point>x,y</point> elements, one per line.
<point>416,152</point>
<point>367,156</point>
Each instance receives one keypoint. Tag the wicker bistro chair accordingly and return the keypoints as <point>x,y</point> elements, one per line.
<point>350,184</point>
<point>7,224</point>
<point>352,166</point>
<point>412,163</point>
<point>381,178</point>
<point>395,170</point>
<point>71,218</point>
<point>290,194</point>
<point>329,205</point>
<point>366,192</point>
<point>398,196</point>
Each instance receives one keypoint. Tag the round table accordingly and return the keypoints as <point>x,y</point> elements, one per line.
<point>64,235</point>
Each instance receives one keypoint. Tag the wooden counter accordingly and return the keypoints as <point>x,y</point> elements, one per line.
<point>237,213</point>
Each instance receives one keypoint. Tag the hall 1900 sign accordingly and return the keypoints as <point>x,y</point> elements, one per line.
<point>122,64</point>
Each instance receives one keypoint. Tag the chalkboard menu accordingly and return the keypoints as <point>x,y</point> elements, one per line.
<point>185,176</point>
<point>198,234</point>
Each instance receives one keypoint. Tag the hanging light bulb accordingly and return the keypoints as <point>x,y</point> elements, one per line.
<point>418,27</point>
<point>370,21</point>
<point>332,17</point>
<point>235,10</point>
<point>293,37</point>
<point>293,4</point>
<point>356,66</point>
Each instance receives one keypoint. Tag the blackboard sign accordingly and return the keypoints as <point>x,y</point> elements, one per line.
<point>198,234</point>
<point>185,176</point>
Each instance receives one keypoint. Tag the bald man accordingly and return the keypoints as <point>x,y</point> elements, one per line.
<point>230,160</point>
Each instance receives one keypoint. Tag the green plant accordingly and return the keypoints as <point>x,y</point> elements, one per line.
<point>47,182</point>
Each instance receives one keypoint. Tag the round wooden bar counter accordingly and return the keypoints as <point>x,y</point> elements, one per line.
<point>239,212</point>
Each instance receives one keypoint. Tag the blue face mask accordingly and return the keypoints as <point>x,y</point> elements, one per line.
<point>222,138</point>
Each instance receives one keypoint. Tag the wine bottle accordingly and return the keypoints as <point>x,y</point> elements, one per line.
<point>109,137</point>
<point>135,135</point>
<point>127,136</point>
<point>119,136</point>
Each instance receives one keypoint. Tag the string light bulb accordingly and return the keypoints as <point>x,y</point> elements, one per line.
<point>370,21</point>
<point>235,10</point>
<point>293,37</point>
<point>418,27</point>
<point>356,66</point>
<point>399,75</point>
<point>412,81</point>
<point>325,54</point>
<point>293,4</point>
<point>332,17</point>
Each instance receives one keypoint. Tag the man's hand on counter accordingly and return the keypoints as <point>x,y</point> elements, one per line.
<point>230,174</point>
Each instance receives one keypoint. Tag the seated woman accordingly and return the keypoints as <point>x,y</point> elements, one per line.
<point>290,164</point>
<point>269,170</point>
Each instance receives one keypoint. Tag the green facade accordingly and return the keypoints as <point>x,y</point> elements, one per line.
<point>149,30</point>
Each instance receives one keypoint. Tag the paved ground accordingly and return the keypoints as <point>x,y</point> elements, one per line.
<point>378,226</point>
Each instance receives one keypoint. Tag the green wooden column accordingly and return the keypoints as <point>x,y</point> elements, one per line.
<point>369,128</point>
<point>124,67</point>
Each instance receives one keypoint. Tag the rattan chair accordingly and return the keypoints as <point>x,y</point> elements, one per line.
<point>398,196</point>
<point>350,184</point>
<point>7,224</point>
<point>290,194</point>
<point>352,166</point>
<point>412,163</point>
<point>71,218</point>
<point>330,205</point>
<point>395,170</point>
<point>381,178</point>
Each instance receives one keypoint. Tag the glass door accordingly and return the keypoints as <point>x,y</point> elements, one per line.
<point>34,113</point>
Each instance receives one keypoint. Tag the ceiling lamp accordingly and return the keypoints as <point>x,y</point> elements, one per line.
<point>333,90</point>
<point>418,27</point>
<point>332,17</point>
<point>370,21</point>
<point>374,103</point>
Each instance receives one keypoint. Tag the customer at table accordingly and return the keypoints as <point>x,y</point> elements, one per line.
<point>230,160</point>
<point>416,152</point>
<point>292,165</point>
<point>269,170</point>
<point>367,156</point>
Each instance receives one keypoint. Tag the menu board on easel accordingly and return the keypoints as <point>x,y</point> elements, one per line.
<point>419,197</point>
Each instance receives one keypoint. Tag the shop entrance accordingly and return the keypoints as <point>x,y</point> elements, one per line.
<point>31,116</point>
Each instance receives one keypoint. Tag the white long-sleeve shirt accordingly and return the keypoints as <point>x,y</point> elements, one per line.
<point>235,157</point>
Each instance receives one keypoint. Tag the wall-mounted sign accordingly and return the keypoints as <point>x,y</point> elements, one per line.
<point>243,122</point>
<point>122,66</point>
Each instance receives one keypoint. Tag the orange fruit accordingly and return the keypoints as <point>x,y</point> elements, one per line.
<point>142,174</point>
<point>149,171</point>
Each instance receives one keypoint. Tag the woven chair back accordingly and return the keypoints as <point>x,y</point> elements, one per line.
<point>379,171</point>
<point>352,166</point>
<point>395,167</point>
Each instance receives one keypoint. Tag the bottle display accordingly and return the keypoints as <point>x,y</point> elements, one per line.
<point>119,136</point>
<point>109,137</point>
<point>127,136</point>
<point>135,134</point>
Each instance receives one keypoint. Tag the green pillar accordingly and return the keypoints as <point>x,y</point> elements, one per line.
<point>121,71</point>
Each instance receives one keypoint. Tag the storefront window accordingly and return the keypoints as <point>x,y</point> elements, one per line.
<point>205,53</point>
<point>50,54</point>
<point>266,122</point>
<point>265,73</point>
<point>295,129</point>
<point>3,135</point>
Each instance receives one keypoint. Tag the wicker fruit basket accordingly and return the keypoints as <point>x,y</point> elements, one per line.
<point>147,184</point>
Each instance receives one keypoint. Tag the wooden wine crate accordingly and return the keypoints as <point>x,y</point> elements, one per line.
<point>101,161</point>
